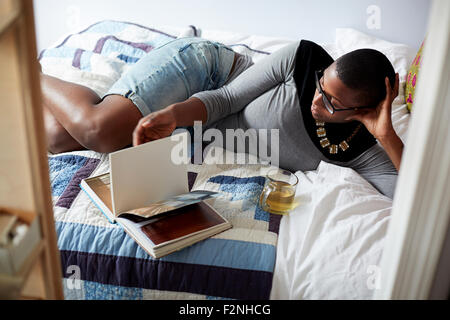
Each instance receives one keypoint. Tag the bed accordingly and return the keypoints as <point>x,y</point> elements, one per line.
<point>329,247</point>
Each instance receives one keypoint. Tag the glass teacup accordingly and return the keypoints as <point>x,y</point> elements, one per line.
<point>279,190</point>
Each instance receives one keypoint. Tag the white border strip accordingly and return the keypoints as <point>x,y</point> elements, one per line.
<point>421,209</point>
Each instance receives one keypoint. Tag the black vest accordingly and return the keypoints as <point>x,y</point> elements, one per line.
<point>309,58</point>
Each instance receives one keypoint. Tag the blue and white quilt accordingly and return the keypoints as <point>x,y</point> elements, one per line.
<point>99,260</point>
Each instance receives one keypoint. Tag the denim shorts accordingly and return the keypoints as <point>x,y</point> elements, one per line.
<point>173,72</point>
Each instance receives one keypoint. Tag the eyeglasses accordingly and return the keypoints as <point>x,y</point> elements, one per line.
<point>326,101</point>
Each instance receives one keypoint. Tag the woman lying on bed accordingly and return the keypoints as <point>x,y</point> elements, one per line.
<point>325,110</point>
<point>77,118</point>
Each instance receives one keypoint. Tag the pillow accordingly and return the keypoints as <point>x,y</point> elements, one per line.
<point>411,79</point>
<point>400,55</point>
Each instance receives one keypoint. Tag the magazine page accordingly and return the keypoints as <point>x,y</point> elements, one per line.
<point>171,203</point>
<point>148,173</point>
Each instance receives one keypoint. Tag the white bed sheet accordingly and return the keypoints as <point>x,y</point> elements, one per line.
<point>330,246</point>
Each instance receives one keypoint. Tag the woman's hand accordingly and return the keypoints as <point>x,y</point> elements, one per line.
<point>156,125</point>
<point>378,120</point>
<point>162,123</point>
<point>379,123</point>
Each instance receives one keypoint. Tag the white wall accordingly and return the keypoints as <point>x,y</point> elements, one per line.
<point>394,20</point>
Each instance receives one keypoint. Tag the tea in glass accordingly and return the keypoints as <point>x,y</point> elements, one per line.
<point>279,191</point>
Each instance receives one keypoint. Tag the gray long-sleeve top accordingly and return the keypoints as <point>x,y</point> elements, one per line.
<point>265,96</point>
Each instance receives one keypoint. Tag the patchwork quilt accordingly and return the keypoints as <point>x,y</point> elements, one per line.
<point>100,261</point>
<point>97,56</point>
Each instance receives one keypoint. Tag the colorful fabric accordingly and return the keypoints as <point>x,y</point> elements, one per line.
<point>106,39</point>
<point>411,79</point>
<point>97,56</point>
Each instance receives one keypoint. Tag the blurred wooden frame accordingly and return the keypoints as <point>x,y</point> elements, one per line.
<point>24,175</point>
<point>24,215</point>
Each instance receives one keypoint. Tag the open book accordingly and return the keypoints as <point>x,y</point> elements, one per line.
<point>146,192</point>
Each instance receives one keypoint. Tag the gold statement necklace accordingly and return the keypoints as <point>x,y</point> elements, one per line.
<point>333,148</point>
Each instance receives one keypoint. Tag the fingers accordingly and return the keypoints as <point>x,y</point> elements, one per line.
<point>387,84</point>
<point>142,135</point>
<point>152,119</point>
<point>386,104</point>
<point>145,132</point>
<point>135,139</point>
<point>147,123</point>
<point>389,89</point>
<point>397,84</point>
<point>153,127</point>
<point>137,135</point>
<point>138,132</point>
<point>393,91</point>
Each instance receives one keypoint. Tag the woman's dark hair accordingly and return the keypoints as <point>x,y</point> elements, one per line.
<point>365,70</point>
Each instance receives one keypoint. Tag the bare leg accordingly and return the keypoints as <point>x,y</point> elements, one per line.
<point>77,118</point>
<point>58,139</point>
